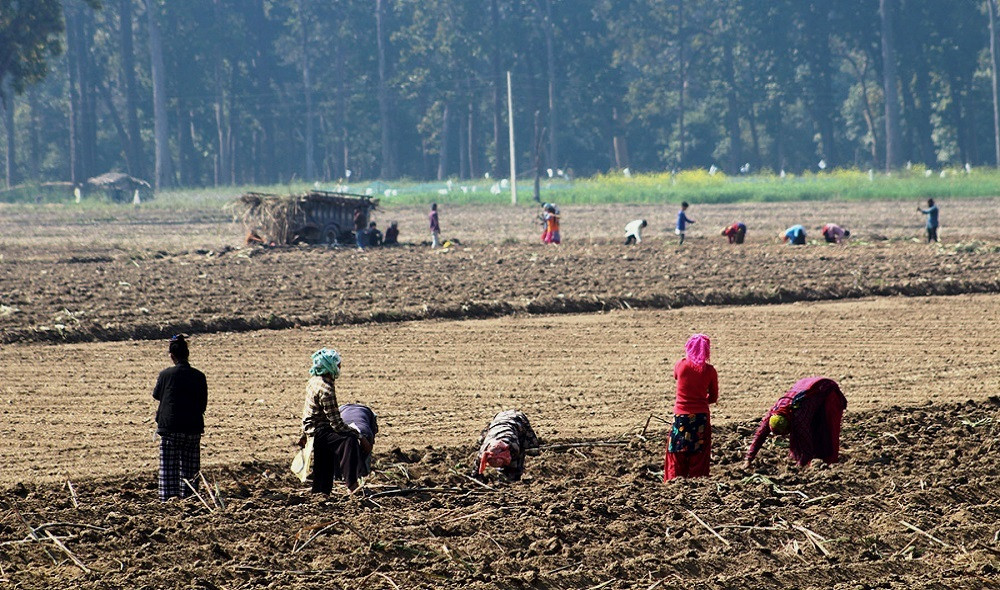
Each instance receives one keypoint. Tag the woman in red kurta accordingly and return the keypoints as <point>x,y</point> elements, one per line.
<point>689,446</point>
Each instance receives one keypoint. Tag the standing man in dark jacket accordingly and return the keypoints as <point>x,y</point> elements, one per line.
<point>932,220</point>
<point>180,420</point>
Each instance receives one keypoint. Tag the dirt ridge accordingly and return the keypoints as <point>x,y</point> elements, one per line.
<point>476,309</point>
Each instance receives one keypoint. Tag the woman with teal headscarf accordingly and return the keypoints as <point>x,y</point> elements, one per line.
<point>337,448</point>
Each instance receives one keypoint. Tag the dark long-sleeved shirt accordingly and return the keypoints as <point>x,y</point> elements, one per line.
<point>683,220</point>
<point>932,216</point>
<point>362,417</point>
<point>183,395</point>
<point>435,224</point>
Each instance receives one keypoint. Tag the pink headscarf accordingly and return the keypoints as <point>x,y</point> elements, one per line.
<point>497,454</point>
<point>698,349</point>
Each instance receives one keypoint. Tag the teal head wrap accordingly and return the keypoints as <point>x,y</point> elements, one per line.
<point>325,362</point>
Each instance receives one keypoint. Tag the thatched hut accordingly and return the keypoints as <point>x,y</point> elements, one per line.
<point>119,187</point>
<point>317,217</point>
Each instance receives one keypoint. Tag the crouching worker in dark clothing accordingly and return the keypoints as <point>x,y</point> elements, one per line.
<point>374,235</point>
<point>505,442</point>
<point>362,419</point>
<point>337,448</point>
<point>180,420</point>
<point>391,235</point>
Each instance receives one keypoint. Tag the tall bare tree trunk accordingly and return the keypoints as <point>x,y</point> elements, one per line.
<point>222,140</point>
<point>69,14</point>
<point>109,103</point>
<point>35,155</point>
<point>536,157</point>
<point>991,9</point>
<point>232,131</point>
<point>223,156</point>
<point>305,43</point>
<point>499,136</point>
<point>88,95</point>
<point>340,120</point>
<point>733,110</point>
<point>817,53</point>
<point>133,153</point>
<point>681,81</point>
<point>893,153</point>
<point>163,176</point>
<point>445,134</point>
<point>550,58</point>
<point>389,168</point>
<point>10,163</point>
<point>473,167</point>
<point>618,142</point>
<point>463,147</point>
<point>754,136</point>
<point>862,75</point>
<point>187,158</point>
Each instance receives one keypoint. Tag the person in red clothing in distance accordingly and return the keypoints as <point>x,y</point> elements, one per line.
<point>689,446</point>
<point>810,414</point>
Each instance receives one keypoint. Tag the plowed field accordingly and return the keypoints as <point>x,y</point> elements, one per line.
<point>114,292</point>
<point>438,382</point>
<point>914,504</point>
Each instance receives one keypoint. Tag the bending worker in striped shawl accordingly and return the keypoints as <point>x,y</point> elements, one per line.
<point>504,443</point>
<point>337,448</point>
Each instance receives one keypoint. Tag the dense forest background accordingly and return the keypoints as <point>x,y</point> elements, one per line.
<point>220,92</point>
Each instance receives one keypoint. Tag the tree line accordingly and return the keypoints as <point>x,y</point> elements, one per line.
<point>226,92</point>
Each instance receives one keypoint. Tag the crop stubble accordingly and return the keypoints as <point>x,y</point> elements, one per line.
<point>915,449</point>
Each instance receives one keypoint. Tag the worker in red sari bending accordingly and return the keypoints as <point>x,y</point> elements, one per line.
<point>809,414</point>
<point>689,446</point>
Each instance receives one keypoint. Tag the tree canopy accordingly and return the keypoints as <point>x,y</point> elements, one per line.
<point>265,91</point>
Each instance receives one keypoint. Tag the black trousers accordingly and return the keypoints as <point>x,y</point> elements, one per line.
<point>932,234</point>
<point>630,240</point>
<point>335,456</point>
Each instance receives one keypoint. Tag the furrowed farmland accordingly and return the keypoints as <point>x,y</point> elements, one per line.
<point>582,337</point>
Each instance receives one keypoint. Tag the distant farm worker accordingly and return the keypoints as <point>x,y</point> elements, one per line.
<point>633,231</point>
<point>362,419</point>
<point>337,448</point>
<point>374,236</point>
<point>809,414</point>
<point>682,221</point>
<point>932,220</point>
<point>834,234</point>
<point>505,443</point>
<point>180,421</point>
<point>391,235</point>
<point>544,222</point>
<point>736,232</point>
<point>435,226</point>
<point>551,219</point>
<point>689,445</point>
<point>795,235</point>
<point>254,238</point>
<point>359,228</point>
